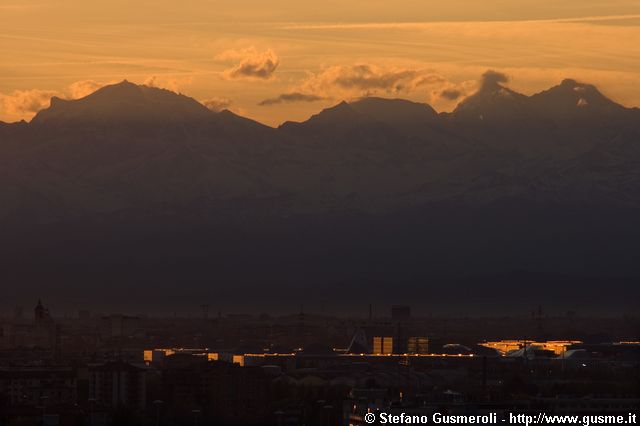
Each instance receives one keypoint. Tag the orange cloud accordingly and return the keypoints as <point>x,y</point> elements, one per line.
<point>492,78</point>
<point>83,88</point>
<point>167,82</point>
<point>291,98</point>
<point>25,103</point>
<point>252,64</point>
<point>217,104</point>
<point>450,94</point>
<point>367,80</point>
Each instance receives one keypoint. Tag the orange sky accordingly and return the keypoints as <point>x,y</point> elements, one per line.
<point>287,59</point>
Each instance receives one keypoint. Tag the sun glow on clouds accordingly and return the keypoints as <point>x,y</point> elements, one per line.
<point>252,64</point>
<point>25,103</point>
<point>217,104</point>
<point>286,61</point>
<point>342,82</point>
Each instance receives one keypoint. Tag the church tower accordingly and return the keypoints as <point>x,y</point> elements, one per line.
<point>41,314</point>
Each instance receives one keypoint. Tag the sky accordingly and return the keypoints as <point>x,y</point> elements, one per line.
<point>287,59</point>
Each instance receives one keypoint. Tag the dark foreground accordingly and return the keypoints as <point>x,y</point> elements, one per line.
<point>304,369</point>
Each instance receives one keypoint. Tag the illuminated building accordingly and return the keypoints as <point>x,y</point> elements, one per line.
<point>157,356</point>
<point>383,345</point>
<point>418,345</point>
<point>386,345</point>
<point>558,347</point>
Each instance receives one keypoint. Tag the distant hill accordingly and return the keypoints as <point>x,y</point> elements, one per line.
<point>146,187</point>
<point>124,102</point>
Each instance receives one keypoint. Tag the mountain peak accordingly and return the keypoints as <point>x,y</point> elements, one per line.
<point>339,114</point>
<point>494,92</point>
<point>123,88</point>
<point>569,82</point>
<point>342,108</point>
<point>572,97</point>
<point>127,102</point>
<point>373,110</point>
<point>396,111</point>
<point>493,100</point>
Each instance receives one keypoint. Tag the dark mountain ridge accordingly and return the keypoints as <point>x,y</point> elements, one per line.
<point>571,98</point>
<point>386,153</point>
<point>150,188</point>
<point>124,102</point>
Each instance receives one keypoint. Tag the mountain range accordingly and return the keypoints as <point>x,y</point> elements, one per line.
<point>136,187</point>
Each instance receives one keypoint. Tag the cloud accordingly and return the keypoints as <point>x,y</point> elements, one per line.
<point>450,94</point>
<point>252,64</point>
<point>377,25</point>
<point>167,82</point>
<point>493,78</point>
<point>291,98</point>
<point>83,88</point>
<point>368,77</point>
<point>17,7</point>
<point>345,81</point>
<point>217,104</point>
<point>25,103</point>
